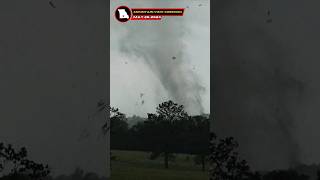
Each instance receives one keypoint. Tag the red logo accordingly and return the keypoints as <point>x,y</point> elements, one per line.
<point>124,14</point>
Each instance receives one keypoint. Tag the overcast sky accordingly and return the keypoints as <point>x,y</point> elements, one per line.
<point>53,67</point>
<point>142,57</point>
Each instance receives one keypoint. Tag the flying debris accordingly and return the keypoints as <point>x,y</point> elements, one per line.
<point>269,20</point>
<point>52,5</point>
<point>200,5</point>
<point>187,7</point>
<point>174,58</point>
<point>268,12</point>
<point>126,62</point>
<point>141,94</point>
<point>142,102</point>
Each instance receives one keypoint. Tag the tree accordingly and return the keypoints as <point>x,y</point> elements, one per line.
<point>161,131</point>
<point>21,167</point>
<point>198,139</point>
<point>114,115</point>
<point>118,125</point>
<point>133,120</point>
<point>225,162</point>
<point>119,130</point>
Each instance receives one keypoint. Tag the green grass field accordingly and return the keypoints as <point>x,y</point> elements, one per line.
<point>135,165</point>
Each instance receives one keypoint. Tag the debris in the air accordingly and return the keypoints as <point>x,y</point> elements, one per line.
<point>268,12</point>
<point>187,7</point>
<point>174,58</point>
<point>269,20</point>
<point>200,5</point>
<point>52,5</point>
<point>142,102</point>
<point>141,94</point>
<point>126,62</point>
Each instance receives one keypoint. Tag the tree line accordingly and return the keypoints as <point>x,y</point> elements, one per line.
<point>169,130</point>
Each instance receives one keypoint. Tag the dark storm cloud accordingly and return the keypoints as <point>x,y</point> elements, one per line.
<point>161,46</point>
<point>49,81</point>
<point>265,75</point>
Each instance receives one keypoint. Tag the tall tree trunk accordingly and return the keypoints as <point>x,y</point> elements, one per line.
<point>166,160</point>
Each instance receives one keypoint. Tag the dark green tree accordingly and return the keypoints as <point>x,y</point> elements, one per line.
<point>197,139</point>
<point>225,162</point>
<point>118,126</point>
<point>119,131</point>
<point>160,131</point>
<point>115,116</point>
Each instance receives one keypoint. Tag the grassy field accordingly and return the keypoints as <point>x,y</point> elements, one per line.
<point>135,165</point>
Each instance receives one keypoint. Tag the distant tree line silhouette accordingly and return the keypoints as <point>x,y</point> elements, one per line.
<point>168,131</point>
<point>171,130</point>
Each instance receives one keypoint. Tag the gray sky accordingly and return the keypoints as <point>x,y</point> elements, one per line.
<point>141,59</point>
<point>267,86</point>
<point>52,75</point>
